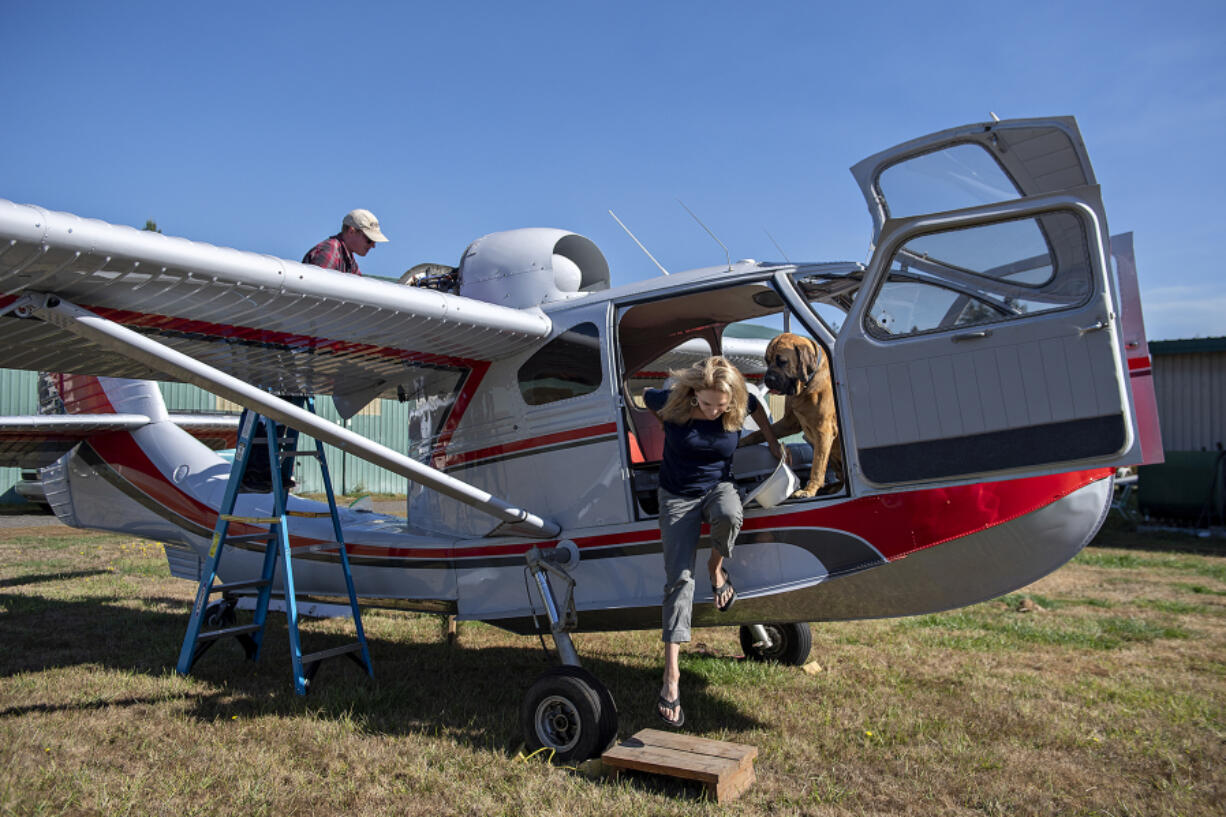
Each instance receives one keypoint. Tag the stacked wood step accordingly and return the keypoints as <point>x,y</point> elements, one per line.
<point>725,769</point>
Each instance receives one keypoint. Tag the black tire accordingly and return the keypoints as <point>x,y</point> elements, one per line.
<point>562,712</point>
<point>220,614</point>
<point>790,644</point>
<point>608,707</point>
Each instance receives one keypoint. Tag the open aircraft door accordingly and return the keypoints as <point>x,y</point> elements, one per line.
<point>985,340</point>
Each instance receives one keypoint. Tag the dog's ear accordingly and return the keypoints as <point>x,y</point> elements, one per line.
<point>807,353</point>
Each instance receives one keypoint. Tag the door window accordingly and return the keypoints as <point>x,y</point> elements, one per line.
<point>982,275</point>
<point>959,176</point>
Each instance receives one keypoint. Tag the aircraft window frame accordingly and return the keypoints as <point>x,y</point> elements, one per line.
<point>876,330</point>
<point>556,367</point>
<point>829,294</point>
<point>935,149</point>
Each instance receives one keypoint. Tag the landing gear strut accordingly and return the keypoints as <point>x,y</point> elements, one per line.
<point>567,710</point>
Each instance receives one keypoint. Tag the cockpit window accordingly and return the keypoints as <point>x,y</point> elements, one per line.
<point>948,179</point>
<point>984,274</point>
<point>568,366</point>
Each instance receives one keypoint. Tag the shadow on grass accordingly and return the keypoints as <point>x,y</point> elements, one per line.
<point>18,581</point>
<point>471,694</point>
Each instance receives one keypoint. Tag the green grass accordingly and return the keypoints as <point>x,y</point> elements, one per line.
<point>974,630</point>
<point>1108,700</point>
<point>1213,567</point>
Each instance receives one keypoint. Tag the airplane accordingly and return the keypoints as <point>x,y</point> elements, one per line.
<point>990,368</point>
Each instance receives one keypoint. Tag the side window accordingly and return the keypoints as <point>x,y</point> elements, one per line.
<point>568,366</point>
<point>983,275</point>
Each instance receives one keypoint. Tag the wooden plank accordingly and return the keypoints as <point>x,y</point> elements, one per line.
<point>696,745</point>
<point>670,762</point>
<point>732,786</point>
<point>724,768</point>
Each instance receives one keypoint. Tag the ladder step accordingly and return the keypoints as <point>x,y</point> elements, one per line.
<point>211,634</point>
<point>251,520</point>
<point>228,586</point>
<point>249,537</point>
<point>309,514</point>
<point>287,454</point>
<point>332,653</point>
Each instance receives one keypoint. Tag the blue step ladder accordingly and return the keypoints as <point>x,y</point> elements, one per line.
<point>211,622</point>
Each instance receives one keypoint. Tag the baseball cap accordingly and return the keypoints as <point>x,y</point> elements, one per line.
<point>365,221</point>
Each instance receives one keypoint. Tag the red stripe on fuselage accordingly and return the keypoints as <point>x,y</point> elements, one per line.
<point>895,524</point>
<point>520,446</point>
<point>125,456</point>
<point>900,524</point>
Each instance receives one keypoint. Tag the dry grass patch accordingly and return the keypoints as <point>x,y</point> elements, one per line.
<point>1107,697</point>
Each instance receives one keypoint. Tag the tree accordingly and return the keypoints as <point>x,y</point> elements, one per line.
<point>151,226</point>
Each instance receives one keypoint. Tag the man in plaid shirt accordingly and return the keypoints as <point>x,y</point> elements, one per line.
<point>359,233</point>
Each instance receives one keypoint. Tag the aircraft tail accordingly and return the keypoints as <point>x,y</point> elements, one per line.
<point>89,394</point>
<point>100,397</point>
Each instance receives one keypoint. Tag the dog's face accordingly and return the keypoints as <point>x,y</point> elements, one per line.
<point>791,362</point>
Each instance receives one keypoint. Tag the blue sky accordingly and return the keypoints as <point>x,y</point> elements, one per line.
<point>258,126</point>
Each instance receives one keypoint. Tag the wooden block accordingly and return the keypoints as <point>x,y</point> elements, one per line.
<point>726,769</point>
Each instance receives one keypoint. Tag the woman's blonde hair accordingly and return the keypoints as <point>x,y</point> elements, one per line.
<point>713,373</point>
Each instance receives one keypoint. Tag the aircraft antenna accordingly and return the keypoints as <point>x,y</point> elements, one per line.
<point>776,243</point>
<point>640,243</point>
<point>717,241</point>
<point>992,114</point>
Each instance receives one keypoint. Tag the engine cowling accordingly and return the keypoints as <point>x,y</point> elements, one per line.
<point>531,267</point>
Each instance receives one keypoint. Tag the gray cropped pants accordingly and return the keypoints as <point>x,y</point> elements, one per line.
<point>681,519</point>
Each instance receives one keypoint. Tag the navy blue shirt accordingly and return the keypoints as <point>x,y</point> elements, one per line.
<point>697,454</point>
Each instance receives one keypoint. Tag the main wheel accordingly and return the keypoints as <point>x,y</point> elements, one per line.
<point>790,644</point>
<point>563,712</point>
<point>608,708</point>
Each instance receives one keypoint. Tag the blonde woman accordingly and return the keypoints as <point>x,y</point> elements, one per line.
<point>702,415</point>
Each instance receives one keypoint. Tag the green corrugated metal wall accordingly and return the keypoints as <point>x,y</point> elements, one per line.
<point>385,421</point>
<point>18,395</point>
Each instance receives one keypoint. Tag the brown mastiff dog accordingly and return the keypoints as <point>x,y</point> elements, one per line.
<point>797,368</point>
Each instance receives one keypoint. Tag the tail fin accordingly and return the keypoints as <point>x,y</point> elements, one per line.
<point>89,394</point>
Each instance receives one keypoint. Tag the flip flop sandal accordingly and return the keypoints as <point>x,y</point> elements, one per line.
<point>718,591</point>
<point>667,704</point>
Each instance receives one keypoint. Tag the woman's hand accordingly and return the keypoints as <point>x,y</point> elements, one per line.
<point>780,452</point>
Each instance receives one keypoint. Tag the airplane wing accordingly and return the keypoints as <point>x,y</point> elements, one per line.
<point>274,323</point>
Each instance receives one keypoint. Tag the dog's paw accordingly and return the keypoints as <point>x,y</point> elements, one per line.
<point>803,493</point>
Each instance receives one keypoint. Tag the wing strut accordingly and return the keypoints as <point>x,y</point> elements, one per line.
<point>112,336</point>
